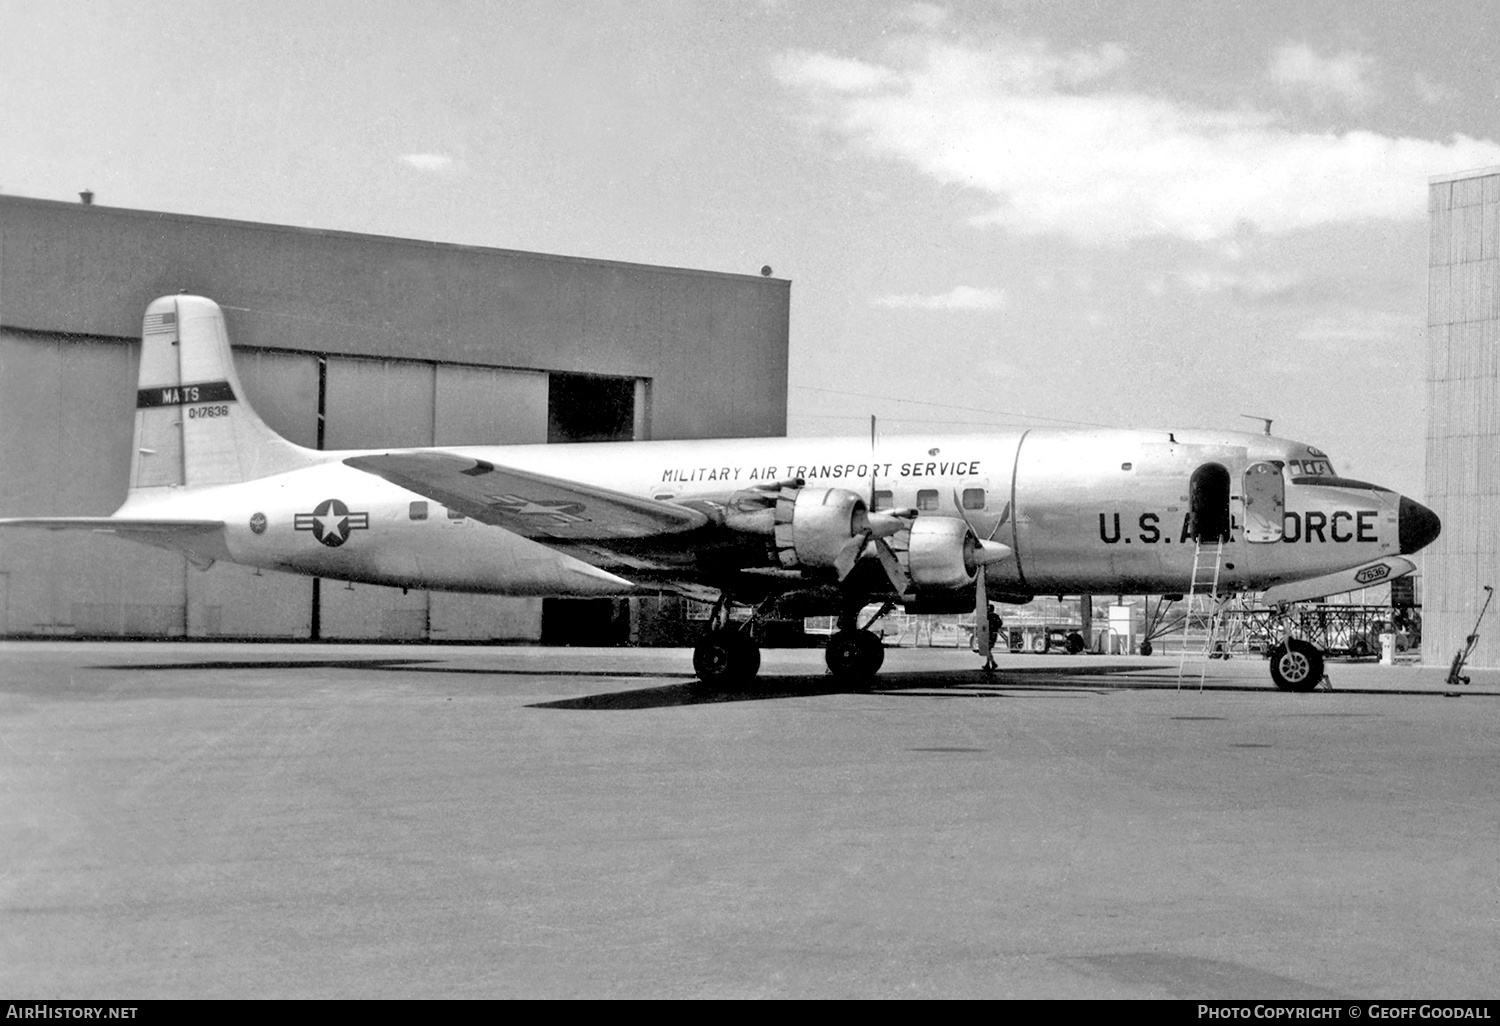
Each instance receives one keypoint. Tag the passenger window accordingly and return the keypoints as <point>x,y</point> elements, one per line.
<point>973,498</point>
<point>454,514</point>
<point>417,511</point>
<point>884,500</point>
<point>927,499</point>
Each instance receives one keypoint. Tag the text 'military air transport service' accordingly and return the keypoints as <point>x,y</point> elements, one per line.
<point>818,526</point>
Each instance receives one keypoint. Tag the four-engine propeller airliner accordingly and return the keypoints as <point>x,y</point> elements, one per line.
<point>800,526</point>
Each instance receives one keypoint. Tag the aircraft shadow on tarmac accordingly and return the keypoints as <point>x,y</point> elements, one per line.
<point>275,664</point>
<point>1097,678</point>
<point>935,684</point>
<point>416,665</point>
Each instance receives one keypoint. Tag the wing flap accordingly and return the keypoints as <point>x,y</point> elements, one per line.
<point>530,504</point>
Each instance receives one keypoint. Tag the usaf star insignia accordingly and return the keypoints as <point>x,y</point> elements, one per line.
<point>539,509</point>
<point>331,522</point>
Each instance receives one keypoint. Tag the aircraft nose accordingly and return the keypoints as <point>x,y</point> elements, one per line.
<point>1416,527</point>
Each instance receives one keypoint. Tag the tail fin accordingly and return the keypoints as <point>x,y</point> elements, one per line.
<point>193,426</point>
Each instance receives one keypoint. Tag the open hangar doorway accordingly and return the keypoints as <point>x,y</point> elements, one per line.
<point>592,408</point>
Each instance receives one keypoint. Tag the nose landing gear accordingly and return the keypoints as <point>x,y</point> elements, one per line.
<point>1296,665</point>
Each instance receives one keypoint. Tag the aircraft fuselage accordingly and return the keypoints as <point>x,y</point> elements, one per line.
<point>1082,511</point>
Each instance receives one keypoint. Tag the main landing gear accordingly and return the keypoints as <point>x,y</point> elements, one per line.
<point>855,654</point>
<point>726,657</point>
<point>727,654</point>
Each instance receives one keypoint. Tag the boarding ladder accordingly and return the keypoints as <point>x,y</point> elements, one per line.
<point>1202,618</point>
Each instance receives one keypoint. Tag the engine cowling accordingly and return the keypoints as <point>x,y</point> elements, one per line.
<point>941,554</point>
<point>814,524</point>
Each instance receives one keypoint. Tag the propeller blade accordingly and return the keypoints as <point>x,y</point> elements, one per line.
<point>958,504</point>
<point>849,554</point>
<point>892,567</point>
<point>1004,516</point>
<point>982,616</point>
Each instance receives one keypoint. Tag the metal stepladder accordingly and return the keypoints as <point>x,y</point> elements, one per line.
<point>1203,612</point>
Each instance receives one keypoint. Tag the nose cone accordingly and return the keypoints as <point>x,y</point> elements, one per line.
<point>1417,526</point>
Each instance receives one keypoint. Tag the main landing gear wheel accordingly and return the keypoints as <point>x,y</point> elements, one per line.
<point>1296,665</point>
<point>854,655</point>
<point>725,657</point>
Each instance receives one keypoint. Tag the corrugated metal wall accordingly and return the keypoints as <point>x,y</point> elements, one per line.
<point>1463,426</point>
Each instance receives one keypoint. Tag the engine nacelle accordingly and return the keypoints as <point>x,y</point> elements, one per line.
<point>813,524</point>
<point>940,555</point>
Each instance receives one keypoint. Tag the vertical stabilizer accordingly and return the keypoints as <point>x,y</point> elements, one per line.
<point>193,426</point>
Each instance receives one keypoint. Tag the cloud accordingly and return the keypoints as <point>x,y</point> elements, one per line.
<point>1342,77</point>
<point>824,71</point>
<point>429,161</point>
<point>1352,327</point>
<point>963,297</point>
<point>1056,147</point>
<point>1254,284</point>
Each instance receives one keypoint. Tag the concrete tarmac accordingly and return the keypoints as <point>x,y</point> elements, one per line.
<point>194,820</point>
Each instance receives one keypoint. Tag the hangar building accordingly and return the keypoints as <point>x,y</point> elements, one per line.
<point>342,341</point>
<point>1463,413</point>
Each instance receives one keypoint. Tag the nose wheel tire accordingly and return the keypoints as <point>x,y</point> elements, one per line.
<point>726,658</point>
<point>1296,665</point>
<point>854,655</point>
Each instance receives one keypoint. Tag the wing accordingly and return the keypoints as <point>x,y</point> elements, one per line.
<point>529,504</point>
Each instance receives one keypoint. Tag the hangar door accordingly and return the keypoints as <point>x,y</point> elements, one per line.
<point>375,403</point>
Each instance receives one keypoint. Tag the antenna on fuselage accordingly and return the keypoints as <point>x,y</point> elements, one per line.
<point>1264,420</point>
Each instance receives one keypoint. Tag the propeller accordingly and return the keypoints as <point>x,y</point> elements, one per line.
<point>878,527</point>
<point>986,551</point>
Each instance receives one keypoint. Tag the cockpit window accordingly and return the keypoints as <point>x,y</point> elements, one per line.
<point>1311,468</point>
<point>1339,482</point>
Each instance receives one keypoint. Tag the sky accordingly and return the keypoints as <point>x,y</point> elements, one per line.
<point>1050,213</point>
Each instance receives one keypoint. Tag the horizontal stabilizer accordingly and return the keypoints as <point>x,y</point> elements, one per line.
<point>201,541</point>
<point>1366,576</point>
<point>529,504</point>
<point>116,525</point>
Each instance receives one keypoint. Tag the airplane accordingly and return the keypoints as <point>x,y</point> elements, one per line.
<point>788,527</point>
